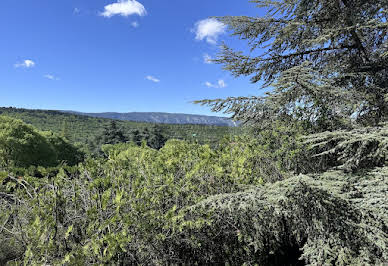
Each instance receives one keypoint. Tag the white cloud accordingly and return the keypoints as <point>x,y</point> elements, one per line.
<point>76,10</point>
<point>25,64</point>
<point>209,85</point>
<point>124,8</point>
<point>153,79</point>
<point>207,59</point>
<point>135,24</point>
<point>209,29</point>
<point>51,77</point>
<point>220,84</point>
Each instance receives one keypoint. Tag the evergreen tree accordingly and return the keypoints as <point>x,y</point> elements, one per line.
<point>112,134</point>
<point>146,135</point>
<point>326,62</point>
<point>136,137</point>
<point>157,138</point>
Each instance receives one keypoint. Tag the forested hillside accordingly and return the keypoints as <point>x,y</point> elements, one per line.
<point>165,118</point>
<point>305,182</point>
<point>79,128</point>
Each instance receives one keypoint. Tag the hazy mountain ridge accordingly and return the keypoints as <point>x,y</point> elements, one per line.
<point>164,118</point>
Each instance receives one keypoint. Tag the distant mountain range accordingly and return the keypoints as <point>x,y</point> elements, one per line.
<point>165,118</point>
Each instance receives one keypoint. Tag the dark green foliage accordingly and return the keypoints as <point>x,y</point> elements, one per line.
<point>326,62</point>
<point>154,137</point>
<point>112,134</point>
<point>83,129</point>
<point>136,137</point>
<point>158,137</point>
<point>66,152</point>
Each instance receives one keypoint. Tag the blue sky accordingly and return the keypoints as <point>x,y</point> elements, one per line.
<point>122,56</point>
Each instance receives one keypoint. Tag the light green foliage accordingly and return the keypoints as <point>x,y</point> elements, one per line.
<point>180,212</point>
<point>349,150</point>
<point>131,207</point>
<point>21,145</point>
<point>240,201</point>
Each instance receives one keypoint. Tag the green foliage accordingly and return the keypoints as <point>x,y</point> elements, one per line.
<point>128,208</point>
<point>22,146</point>
<point>321,220</point>
<point>66,152</point>
<point>111,134</point>
<point>238,201</point>
<point>283,145</point>
<point>348,150</point>
<point>156,139</point>
<point>83,129</point>
<point>324,61</point>
<point>178,206</point>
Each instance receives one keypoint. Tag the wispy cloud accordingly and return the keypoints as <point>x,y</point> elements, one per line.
<point>220,84</point>
<point>153,79</point>
<point>124,8</point>
<point>51,77</point>
<point>76,10</point>
<point>207,59</point>
<point>209,29</point>
<point>135,24</point>
<point>25,64</point>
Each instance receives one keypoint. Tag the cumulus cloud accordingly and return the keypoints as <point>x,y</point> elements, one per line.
<point>135,24</point>
<point>207,59</point>
<point>153,79</point>
<point>124,8</point>
<point>220,84</point>
<point>25,64</point>
<point>209,29</point>
<point>51,77</point>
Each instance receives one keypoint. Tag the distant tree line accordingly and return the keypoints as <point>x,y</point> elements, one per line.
<point>153,137</point>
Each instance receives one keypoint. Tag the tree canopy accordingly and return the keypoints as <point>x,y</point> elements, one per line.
<point>21,145</point>
<point>325,61</point>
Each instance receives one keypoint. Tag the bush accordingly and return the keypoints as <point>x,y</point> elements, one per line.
<point>23,146</point>
<point>190,204</point>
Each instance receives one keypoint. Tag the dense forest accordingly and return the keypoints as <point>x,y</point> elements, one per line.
<point>81,129</point>
<point>305,182</point>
